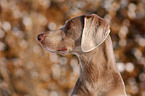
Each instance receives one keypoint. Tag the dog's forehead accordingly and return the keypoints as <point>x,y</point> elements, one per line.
<point>73,27</point>
<point>75,20</point>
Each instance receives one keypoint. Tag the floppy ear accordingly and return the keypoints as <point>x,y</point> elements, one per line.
<point>94,33</point>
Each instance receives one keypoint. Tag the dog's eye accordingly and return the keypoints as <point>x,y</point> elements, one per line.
<point>68,26</point>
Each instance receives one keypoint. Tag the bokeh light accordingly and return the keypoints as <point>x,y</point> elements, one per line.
<point>26,69</point>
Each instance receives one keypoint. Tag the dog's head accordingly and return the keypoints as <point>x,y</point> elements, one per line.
<point>80,34</point>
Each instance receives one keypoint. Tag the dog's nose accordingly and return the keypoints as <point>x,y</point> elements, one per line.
<point>40,37</point>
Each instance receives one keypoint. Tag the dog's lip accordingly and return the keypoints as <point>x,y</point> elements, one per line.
<point>62,49</point>
<point>57,51</point>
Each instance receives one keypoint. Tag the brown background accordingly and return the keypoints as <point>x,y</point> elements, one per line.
<point>26,69</point>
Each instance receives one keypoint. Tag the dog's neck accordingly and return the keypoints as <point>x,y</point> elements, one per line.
<point>99,75</point>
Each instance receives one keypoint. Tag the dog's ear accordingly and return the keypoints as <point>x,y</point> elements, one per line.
<point>94,33</point>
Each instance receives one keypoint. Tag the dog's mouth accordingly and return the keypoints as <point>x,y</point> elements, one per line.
<point>62,51</point>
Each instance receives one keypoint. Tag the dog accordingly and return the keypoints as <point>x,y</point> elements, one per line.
<point>87,36</point>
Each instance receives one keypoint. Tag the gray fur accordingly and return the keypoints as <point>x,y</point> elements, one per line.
<point>87,36</point>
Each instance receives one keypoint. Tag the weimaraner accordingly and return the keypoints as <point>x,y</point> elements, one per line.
<point>87,36</point>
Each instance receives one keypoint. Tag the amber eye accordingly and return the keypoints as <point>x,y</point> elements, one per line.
<point>68,26</point>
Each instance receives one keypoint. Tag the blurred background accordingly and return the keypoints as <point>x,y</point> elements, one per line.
<point>26,69</point>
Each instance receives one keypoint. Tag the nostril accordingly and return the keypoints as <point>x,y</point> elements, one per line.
<point>40,37</point>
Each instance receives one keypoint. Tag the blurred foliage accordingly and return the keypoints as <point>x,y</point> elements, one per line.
<point>26,69</point>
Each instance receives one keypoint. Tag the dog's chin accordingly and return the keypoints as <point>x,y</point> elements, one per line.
<point>56,51</point>
<point>64,52</point>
